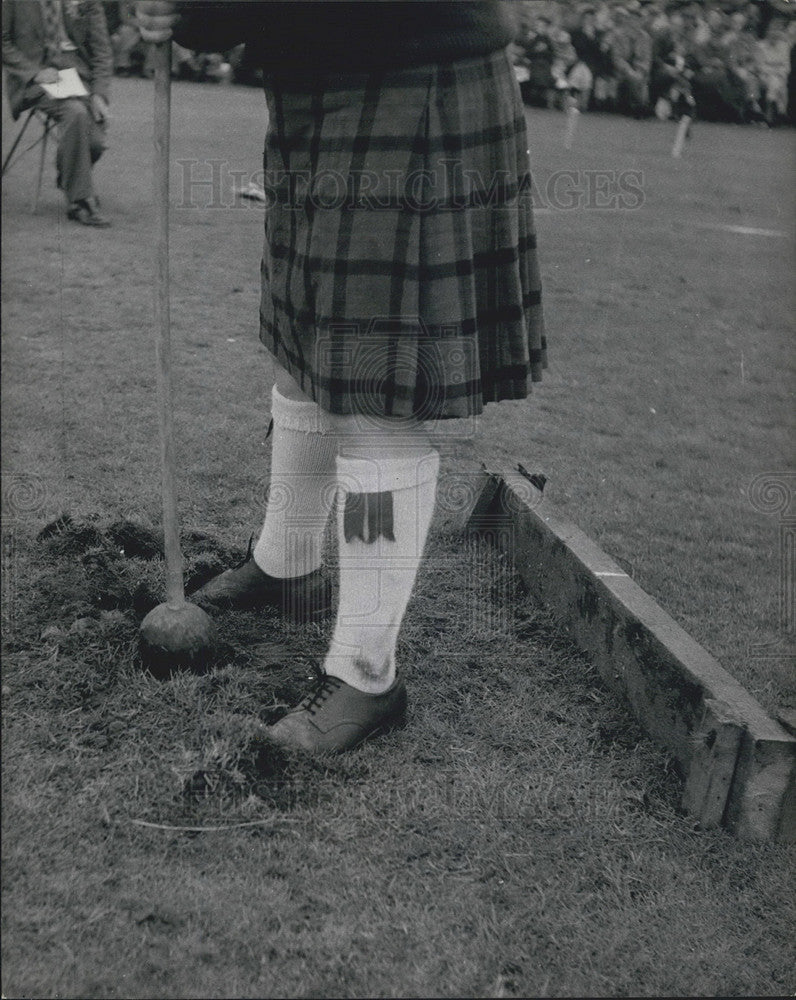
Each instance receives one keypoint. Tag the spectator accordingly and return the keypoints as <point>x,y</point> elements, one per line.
<point>630,48</point>
<point>564,54</point>
<point>704,52</point>
<point>589,43</point>
<point>244,69</point>
<point>699,25</point>
<point>740,46</point>
<point>717,22</point>
<point>603,18</point>
<point>579,82</point>
<point>539,48</point>
<point>719,93</point>
<point>39,39</point>
<point>773,61</point>
<point>185,64</point>
<point>657,21</point>
<point>128,50</point>
<point>670,79</point>
<point>664,64</point>
<point>792,87</point>
<point>569,76</point>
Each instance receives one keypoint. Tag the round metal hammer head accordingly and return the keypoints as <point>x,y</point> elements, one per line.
<point>177,637</point>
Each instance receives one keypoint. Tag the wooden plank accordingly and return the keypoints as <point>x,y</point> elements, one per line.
<point>738,762</point>
<point>761,806</point>
<point>715,747</point>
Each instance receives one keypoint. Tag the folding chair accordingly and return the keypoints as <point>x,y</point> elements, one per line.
<point>47,125</point>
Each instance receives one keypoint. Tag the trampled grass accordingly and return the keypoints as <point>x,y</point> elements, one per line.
<point>521,836</point>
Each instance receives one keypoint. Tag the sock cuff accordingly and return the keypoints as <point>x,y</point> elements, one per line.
<point>298,414</point>
<point>382,475</point>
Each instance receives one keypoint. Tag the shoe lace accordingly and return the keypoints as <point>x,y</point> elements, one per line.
<point>324,685</point>
<point>248,555</point>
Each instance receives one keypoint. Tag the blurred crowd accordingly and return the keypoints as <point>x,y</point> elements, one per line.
<point>721,60</point>
<point>728,60</point>
<point>131,57</point>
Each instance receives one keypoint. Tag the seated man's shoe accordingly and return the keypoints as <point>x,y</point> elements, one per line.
<point>336,717</point>
<point>87,214</point>
<point>301,598</point>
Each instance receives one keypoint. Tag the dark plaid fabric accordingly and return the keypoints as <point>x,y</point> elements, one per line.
<point>400,275</point>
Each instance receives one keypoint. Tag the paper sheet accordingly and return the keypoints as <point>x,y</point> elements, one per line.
<point>69,85</point>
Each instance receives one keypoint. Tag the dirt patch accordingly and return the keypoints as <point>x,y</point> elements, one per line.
<point>97,566</point>
<point>280,778</point>
<point>95,582</point>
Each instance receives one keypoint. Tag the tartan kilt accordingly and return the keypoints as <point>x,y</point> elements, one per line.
<point>400,275</point>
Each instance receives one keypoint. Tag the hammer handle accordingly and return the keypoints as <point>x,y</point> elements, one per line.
<point>175,593</point>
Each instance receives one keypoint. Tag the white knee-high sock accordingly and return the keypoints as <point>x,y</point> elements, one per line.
<point>302,488</point>
<point>377,574</point>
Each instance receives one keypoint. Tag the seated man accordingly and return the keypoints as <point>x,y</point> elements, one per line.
<point>39,39</point>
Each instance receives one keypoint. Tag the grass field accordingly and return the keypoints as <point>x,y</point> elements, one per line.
<point>520,837</point>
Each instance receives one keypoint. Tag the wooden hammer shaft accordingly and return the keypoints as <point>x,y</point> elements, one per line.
<point>175,593</point>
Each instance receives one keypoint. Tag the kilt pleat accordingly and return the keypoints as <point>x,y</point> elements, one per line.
<point>400,274</point>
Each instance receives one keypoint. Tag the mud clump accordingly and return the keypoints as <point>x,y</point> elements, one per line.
<point>65,537</point>
<point>135,540</point>
<point>285,779</point>
<point>119,566</point>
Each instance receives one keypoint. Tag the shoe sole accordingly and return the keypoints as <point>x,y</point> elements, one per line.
<point>384,728</point>
<point>296,616</point>
<point>296,611</point>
